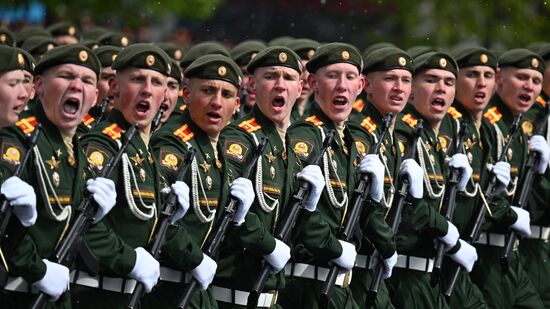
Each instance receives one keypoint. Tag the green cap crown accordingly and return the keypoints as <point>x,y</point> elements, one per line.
<point>388,58</point>
<point>305,48</point>
<point>74,54</point>
<point>30,63</point>
<point>29,31</point>
<point>243,52</point>
<point>215,66</point>
<point>435,60</point>
<point>376,46</point>
<point>171,50</point>
<point>201,49</point>
<point>107,55</point>
<point>416,51</point>
<point>544,51</point>
<point>332,53</point>
<point>64,28</point>
<point>472,55</point>
<point>38,45</point>
<point>143,56</point>
<point>11,59</point>
<point>176,71</point>
<point>113,39</point>
<point>6,37</point>
<point>522,59</point>
<point>275,56</point>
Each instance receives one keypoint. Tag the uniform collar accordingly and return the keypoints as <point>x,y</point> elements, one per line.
<point>371,111</point>
<point>507,115</point>
<point>117,117</point>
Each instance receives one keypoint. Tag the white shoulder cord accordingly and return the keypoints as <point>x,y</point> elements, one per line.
<point>260,183</point>
<point>386,202</point>
<point>333,200</point>
<point>500,142</point>
<point>43,175</point>
<point>195,181</point>
<point>471,180</point>
<point>127,172</point>
<point>441,187</point>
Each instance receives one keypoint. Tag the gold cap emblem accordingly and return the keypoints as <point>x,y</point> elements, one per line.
<point>3,38</point>
<point>443,62</point>
<point>20,59</point>
<point>124,41</point>
<point>310,53</point>
<point>345,55</point>
<point>83,56</point>
<point>253,55</point>
<point>222,71</point>
<point>402,61</point>
<point>484,58</point>
<point>113,57</point>
<point>534,63</point>
<point>283,57</point>
<point>71,31</point>
<point>50,46</point>
<point>178,54</point>
<point>95,46</point>
<point>150,60</point>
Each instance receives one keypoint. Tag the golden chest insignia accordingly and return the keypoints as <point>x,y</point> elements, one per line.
<point>283,155</point>
<point>272,172</point>
<point>150,159</point>
<point>469,143</point>
<point>470,157</point>
<point>71,160</point>
<point>432,159</point>
<point>205,166</point>
<point>58,153</point>
<point>218,164</point>
<point>335,165</point>
<point>142,175</point>
<point>137,160</point>
<point>346,152</point>
<point>54,163</point>
<point>510,154</point>
<point>270,157</point>
<point>56,179</point>
<point>207,155</point>
<point>208,183</point>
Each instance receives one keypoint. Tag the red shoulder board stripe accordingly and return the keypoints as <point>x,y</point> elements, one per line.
<point>313,119</point>
<point>409,120</point>
<point>113,131</point>
<point>368,124</point>
<point>541,101</point>
<point>250,125</point>
<point>493,115</point>
<point>27,125</point>
<point>358,105</point>
<point>454,113</point>
<point>184,133</point>
<point>88,120</point>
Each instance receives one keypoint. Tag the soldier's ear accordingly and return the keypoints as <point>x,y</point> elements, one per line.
<point>113,87</point>
<point>39,85</point>
<point>252,83</point>
<point>185,91</point>
<point>362,83</point>
<point>312,81</point>
<point>498,76</point>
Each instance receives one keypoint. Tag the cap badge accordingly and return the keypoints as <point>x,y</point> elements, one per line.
<point>113,57</point>
<point>345,55</point>
<point>222,71</point>
<point>402,61</point>
<point>283,57</point>
<point>310,53</point>
<point>534,63</point>
<point>253,55</point>
<point>3,38</point>
<point>178,54</point>
<point>83,56</point>
<point>150,60</point>
<point>50,46</point>
<point>124,41</point>
<point>20,59</point>
<point>443,62</point>
<point>71,31</point>
<point>483,58</point>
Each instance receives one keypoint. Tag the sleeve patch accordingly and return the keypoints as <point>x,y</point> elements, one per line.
<point>97,157</point>
<point>444,141</point>
<point>169,159</point>
<point>11,153</point>
<point>362,147</point>
<point>302,149</point>
<point>235,150</point>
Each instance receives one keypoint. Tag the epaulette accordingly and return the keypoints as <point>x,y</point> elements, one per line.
<point>184,133</point>
<point>368,124</point>
<point>27,125</point>
<point>358,105</point>
<point>313,119</point>
<point>87,120</point>
<point>492,115</point>
<point>454,113</point>
<point>113,131</point>
<point>541,101</point>
<point>250,125</point>
<point>409,120</point>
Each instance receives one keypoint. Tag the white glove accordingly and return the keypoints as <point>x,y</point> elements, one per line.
<point>204,273</point>
<point>538,144</point>
<point>389,263</point>
<point>146,270</point>
<point>465,256</point>
<point>451,237</point>
<point>523,223</point>
<point>22,198</point>
<point>415,174</point>
<point>502,171</point>
<point>55,281</point>
<point>313,175</point>
<point>372,165</point>
<point>241,189</point>
<point>460,161</point>
<point>181,190</point>
<point>278,258</point>
<point>347,258</point>
<point>104,193</point>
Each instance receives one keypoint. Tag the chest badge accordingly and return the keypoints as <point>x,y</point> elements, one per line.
<point>205,166</point>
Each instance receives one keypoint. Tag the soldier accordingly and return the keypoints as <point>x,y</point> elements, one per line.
<point>388,79</point>
<point>66,86</point>
<point>433,91</point>
<point>6,37</point>
<point>28,72</point>
<point>305,48</point>
<point>213,85</point>
<point>38,45</point>
<point>65,33</point>
<point>519,82</point>
<point>174,83</point>
<point>118,241</point>
<point>13,95</point>
<point>30,31</point>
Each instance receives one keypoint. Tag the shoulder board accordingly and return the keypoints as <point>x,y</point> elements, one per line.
<point>409,120</point>
<point>27,125</point>
<point>87,120</point>
<point>313,119</point>
<point>454,113</point>
<point>368,124</point>
<point>541,101</point>
<point>250,125</point>
<point>358,105</point>
<point>113,131</point>
<point>492,115</point>
<point>184,133</point>
<point>183,107</point>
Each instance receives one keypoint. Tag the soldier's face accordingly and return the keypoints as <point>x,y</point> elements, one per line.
<point>433,91</point>
<point>475,87</point>
<point>336,86</point>
<point>518,88</point>
<point>211,104</point>
<point>28,83</point>
<point>306,90</point>
<point>13,96</point>
<point>138,95</point>
<point>277,89</point>
<point>67,92</point>
<point>171,98</point>
<point>106,74</point>
<point>389,90</point>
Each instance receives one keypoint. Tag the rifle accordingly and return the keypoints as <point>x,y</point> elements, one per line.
<point>450,201</point>
<point>287,224</point>
<point>156,121</point>
<point>395,220</point>
<point>215,240</point>
<point>490,192</point>
<point>532,162</point>
<point>165,217</point>
<point>361,192</point>
<point>65,254</point>
<point>103,108</point>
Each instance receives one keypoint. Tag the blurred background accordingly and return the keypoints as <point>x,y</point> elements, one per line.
<point>494,24</point>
